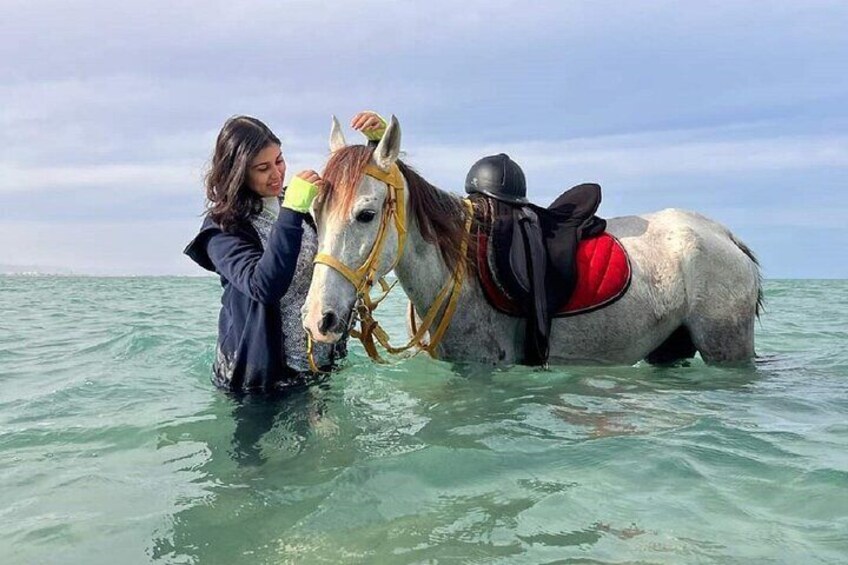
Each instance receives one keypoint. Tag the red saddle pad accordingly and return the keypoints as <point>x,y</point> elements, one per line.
<point>603,276</point>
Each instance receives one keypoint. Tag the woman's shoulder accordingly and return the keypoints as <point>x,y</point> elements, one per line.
<point>197,249</point>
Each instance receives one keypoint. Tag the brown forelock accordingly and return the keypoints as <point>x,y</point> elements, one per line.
<point>341,178</point>
<point>440,217</point>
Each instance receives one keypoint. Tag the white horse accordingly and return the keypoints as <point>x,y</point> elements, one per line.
<point>694,285</point>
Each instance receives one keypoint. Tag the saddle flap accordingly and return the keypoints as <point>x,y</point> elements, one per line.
<point>526,231</point>
<point>551,232</point>
<point>528,263</point>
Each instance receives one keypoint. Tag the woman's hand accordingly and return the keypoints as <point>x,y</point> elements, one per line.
<point>302,190</point>
<point>371,124</point>
<point>311,177</point>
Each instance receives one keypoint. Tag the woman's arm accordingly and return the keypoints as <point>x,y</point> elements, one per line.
<point>265,276</point>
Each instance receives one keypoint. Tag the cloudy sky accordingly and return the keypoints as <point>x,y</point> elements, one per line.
<point>739,110</point>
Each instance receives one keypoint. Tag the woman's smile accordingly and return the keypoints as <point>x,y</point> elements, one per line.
<point>266,173</point>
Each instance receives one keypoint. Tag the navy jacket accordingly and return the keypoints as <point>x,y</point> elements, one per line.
<point>250,354</point>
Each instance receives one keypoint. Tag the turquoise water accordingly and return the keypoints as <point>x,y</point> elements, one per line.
<point>115,447</point>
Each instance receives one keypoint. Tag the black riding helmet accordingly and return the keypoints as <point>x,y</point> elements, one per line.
<point>497,176</point>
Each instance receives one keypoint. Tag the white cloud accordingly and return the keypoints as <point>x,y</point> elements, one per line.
<point>616,158</point>
<point>833,218</point>
<point>113,177</point>
<point>254,25</point>
<point>604,158</point>
<point>127,118</point>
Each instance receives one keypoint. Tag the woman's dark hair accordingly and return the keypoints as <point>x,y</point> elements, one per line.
<point>230,200</point>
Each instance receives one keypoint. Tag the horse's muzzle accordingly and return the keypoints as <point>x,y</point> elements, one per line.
<point>330,323</point>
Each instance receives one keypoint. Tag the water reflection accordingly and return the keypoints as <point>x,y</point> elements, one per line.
<point>429,453</point>
<point>301,410</point>
<point>531,409</point>
<point>255,446</point>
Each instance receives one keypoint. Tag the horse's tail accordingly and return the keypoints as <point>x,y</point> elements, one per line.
<point>750,255</point>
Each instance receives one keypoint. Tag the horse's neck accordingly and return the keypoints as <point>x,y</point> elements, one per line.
<point>421,271</point>
<point>476,330</point>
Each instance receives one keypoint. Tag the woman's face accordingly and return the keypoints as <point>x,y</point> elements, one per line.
<point>266,172</point>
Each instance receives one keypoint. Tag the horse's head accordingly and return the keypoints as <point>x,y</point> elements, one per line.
<point>360,219</point>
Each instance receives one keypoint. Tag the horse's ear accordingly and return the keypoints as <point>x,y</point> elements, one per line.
<point>389,147</point>
<point>337,140</point>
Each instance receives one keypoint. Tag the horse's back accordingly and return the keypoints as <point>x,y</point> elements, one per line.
<point>676,247</point>
<point>675,238</point>
<point>683,264</point>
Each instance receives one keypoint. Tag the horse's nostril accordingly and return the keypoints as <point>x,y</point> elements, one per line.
<point>328,322</point>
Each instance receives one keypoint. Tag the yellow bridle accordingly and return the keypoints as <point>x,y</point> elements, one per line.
<point>366,276</point>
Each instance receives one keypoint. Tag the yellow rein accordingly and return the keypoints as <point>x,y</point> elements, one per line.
<point>364,278</point>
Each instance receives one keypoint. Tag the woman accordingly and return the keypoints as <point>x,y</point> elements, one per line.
<point>262,247</point>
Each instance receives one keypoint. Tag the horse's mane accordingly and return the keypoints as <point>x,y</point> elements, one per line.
<point>438,214</point>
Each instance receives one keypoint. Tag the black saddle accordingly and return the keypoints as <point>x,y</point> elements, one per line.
<point>533,255</point>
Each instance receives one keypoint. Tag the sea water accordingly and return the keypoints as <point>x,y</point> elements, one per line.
<point>116,448</point>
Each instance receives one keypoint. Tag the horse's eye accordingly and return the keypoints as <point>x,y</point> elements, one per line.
<point>365,216</point>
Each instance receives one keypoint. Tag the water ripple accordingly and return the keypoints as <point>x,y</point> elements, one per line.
<point>113,437</point>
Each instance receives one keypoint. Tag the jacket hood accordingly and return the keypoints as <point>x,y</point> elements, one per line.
<point>196,249</point>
